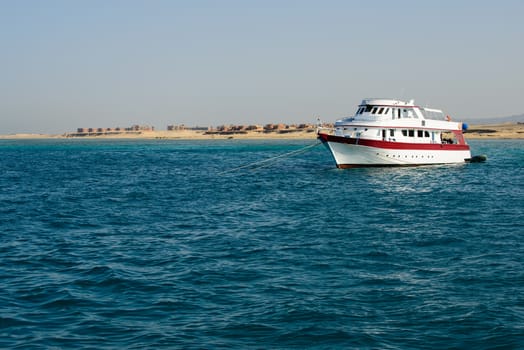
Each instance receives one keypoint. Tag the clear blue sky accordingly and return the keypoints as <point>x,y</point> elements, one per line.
<point>102,63</point>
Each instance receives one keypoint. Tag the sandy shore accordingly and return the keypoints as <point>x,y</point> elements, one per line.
<point>495,131</point>
<point>176,134</point>
<point>485,131</point>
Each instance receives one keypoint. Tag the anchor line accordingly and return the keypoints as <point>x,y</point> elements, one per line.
<point>266,162</point>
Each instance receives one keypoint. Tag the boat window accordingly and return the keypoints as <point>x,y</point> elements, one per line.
<point>369,108</point>
<point>391,132</point>
<point>404,132</point>
<point>420,133</point>
<point>426,133</point>
<point>381,110</point>
<point>387,110</point>
<point>374,110</point>
<point>411,133</point>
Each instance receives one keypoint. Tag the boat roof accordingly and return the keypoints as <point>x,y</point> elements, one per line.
<point>386,102</point>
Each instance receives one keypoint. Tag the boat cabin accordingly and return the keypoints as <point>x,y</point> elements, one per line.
<point>393,109</point>
<point>398,121</point>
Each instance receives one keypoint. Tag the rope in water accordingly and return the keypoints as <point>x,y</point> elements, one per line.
<point>261,163</point>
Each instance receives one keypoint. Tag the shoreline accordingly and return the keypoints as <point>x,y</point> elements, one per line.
<point>474,132</point>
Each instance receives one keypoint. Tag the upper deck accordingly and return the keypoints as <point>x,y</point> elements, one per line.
<point>377,109</point>
<point>386,113</point>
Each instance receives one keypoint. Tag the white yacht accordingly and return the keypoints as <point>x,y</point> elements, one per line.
<point>388,132</point>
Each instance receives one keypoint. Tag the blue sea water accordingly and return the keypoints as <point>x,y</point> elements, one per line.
<point>158,244</point>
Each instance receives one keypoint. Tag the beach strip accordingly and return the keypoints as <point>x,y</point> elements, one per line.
<point>480,131</point>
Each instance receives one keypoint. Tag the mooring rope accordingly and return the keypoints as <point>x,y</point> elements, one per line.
<point>261,163</point>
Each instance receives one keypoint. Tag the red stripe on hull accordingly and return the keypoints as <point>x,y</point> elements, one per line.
<point>353,166</point>
<point>392,145</point>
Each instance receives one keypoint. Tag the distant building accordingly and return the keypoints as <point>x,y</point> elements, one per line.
<point>176,127</point>
<point>255,128</point>
<point>232,129</point>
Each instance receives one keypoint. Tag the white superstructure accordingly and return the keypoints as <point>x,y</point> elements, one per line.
<point>388,132</point>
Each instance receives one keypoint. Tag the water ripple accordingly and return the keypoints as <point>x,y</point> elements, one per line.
<point>120,244</point>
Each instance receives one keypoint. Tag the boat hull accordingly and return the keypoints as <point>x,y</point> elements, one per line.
<point>353,152</point>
